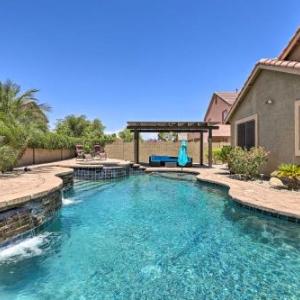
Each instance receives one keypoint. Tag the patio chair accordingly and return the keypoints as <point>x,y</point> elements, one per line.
<point>100,152</point>
<point>79,152</point>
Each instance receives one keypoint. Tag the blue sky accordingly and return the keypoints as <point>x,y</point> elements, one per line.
<point>122,60</point>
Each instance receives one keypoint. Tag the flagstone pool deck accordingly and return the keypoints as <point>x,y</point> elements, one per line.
<point>43,179</point>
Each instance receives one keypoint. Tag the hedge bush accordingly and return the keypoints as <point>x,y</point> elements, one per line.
<point>247,163</point>
<point>51,140</point>
<point>8,158</point>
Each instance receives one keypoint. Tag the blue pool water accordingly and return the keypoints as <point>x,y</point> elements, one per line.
<point>151,237</point>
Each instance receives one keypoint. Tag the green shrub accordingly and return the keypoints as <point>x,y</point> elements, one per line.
<point>224,153</point>
<point>247,163</point>
<point>289,174</point>
<point>219,155</point>
<point>215,155</point>
<point>8,158</point>
<point>237,161</point>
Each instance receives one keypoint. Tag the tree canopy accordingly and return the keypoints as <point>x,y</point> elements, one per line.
<point>126,135</point>
<point>79,126</point>
<point>90,131</point>
<point>167,136</point>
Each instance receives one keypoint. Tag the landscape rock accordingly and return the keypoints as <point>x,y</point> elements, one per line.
<point>276,183</point>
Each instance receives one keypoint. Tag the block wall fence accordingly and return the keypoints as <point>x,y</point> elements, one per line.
<point>39,156</point>
<point>121,150</point>
<point>118,150</point>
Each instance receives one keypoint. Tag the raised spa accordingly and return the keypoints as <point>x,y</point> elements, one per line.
<point>153,237</point>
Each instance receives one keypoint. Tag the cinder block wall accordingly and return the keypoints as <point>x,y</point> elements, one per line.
<point>121,150</point>
<point>39,156</point>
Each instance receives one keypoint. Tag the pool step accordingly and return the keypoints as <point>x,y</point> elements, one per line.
<point>88,185</point>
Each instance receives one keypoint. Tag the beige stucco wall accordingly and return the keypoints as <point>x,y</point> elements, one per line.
<point>122,150</point>
<point>295,54</point>
<point>276,122</point>
<point>215,115</point>
<point>39,156</point>
<point>215,112</point>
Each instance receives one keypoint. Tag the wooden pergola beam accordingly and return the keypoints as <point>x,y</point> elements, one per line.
<point>167,129</point>
<point>171,126</point>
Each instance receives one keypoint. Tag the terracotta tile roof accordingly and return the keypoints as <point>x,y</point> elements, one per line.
<point>265,63</point>
<point>228,97</point>
<point>279,63</point>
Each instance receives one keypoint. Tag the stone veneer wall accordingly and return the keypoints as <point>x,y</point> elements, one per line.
<point>16,221</point>
<point>99,173</point>
<point>19,220</point>
<point>68,180</point>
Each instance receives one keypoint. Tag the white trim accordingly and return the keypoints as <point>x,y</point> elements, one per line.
<point>297,121</point>
<point>250,118</point>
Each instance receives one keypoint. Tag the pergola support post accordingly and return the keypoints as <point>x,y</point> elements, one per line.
<point>136,146</point>
<point>210,148</point>
<point>201,149</point>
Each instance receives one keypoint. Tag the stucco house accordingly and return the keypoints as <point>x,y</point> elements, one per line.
<point>267,110</point>
<point>217,110</point>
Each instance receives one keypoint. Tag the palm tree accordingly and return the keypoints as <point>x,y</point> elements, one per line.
<point>21,116</point>
<point>22,107</point>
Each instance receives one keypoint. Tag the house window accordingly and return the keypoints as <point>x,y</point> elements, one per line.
<point>246,132</point>
<point>224,115</point>
<point>297,128</point>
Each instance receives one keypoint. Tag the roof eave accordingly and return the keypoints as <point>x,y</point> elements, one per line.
<point>290,46</point>
<point>251,79</point>
<point>210,105</point>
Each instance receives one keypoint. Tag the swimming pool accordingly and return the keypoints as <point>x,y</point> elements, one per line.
<point>152,237</point>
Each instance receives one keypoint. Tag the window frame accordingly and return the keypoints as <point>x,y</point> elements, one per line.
<point>245,120</point>
<point>224,115</point>
<point>297,123</point>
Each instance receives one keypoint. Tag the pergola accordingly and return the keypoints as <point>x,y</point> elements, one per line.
<point>201,127</point>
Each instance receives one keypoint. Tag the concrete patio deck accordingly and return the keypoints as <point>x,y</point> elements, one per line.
<point>43,179</point>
